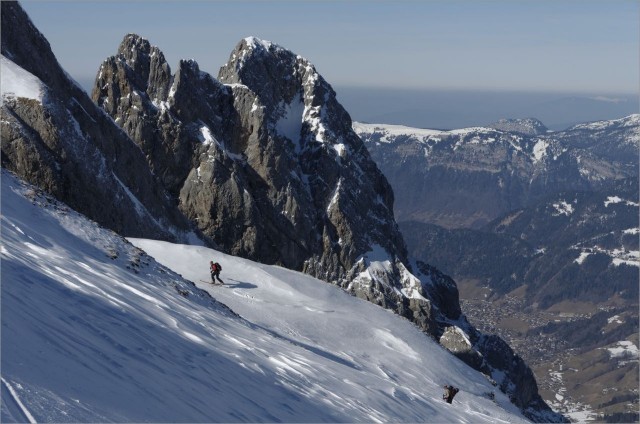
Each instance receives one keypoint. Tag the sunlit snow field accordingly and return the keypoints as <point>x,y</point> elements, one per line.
<point>95,330</point>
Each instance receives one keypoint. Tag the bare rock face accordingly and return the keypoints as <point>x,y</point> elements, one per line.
<point>61,142</point>
<point>133,87</point>
<point>300,142</point>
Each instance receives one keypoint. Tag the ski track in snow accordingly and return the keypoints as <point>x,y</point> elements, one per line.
<point>94,330</point>
<point>14,407</point>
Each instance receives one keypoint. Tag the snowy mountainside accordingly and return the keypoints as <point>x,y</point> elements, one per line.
<point>94,329</point>
<point>467,177</point>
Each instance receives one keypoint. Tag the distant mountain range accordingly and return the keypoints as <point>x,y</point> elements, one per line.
<point>545,220</point>
<point>468,177</point>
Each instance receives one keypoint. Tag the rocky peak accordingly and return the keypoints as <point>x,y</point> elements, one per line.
<point>140,67</point>
<point>149,69</point>
<point>301,120</point>
<point>301,93</point>
<point>164,114</point>
<point>135,51</point>
<point>66,145</point>
<point>197,96</point>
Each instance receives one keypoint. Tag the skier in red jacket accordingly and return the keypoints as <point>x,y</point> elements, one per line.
<point>215,269</point>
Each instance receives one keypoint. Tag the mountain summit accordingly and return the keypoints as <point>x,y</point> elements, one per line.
<point>299,140</point>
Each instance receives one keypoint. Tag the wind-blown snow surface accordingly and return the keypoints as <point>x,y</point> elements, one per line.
<point>95,330</point>
<point>16,82</point>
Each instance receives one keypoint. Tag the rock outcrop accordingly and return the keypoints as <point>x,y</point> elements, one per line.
<point>60,141</point>
<point>269,171</point>
<point>524,126</point>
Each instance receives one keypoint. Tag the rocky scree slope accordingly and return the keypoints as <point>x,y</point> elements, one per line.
<point>59,140</point>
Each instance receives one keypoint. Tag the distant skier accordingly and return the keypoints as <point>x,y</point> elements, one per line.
<point>449,393</point>
<point>215,269</point>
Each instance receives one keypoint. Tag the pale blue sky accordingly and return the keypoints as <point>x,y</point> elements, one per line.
<point>538,45</point>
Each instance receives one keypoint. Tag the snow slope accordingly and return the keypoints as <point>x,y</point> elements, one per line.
<point>94,330</point>
<point>16,82</point>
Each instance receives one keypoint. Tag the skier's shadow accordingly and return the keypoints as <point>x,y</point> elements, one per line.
<point>240,284</point>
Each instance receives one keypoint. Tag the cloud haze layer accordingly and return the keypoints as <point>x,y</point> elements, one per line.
<point>563,45</point>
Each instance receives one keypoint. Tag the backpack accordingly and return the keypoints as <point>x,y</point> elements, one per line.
<point>217,267</point>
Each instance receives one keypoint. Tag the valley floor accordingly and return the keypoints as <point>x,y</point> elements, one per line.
<point>599,384</point>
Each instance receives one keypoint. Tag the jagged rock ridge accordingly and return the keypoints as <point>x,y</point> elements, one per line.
<point>63,143</point>
<point>272,172</point>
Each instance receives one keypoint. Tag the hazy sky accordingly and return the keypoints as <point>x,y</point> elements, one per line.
<point>555,45</point>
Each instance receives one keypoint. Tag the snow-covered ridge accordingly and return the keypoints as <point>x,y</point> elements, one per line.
<point>627,121</point>
<point>390,132</point>
<point>255,42</point>
<point>535,148</point>
<point>395,130</point>
<point>480,135</point>
<point>539,149</point>
<point>630,125</point>
<point>253,45</point>
<point>96,330</point>
<point>16,82</point>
